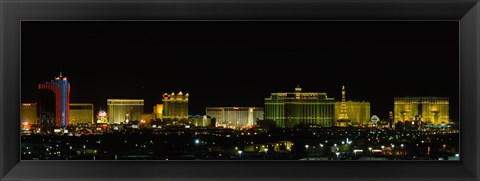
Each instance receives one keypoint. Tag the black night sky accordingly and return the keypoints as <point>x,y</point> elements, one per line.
<point>240,63</point>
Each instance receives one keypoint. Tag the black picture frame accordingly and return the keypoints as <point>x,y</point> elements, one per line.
<point>467,12</point>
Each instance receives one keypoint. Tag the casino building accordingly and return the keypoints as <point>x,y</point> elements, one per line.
<point>289,109</point>
<point>158,111</point>
<point>235,117</point>
<point>81,113</point>
<point>61,88</point>
<point>175,107</point>
<point>351,112</point>
<point>429,110</point>
<point>29,113</point>
<point>124,110</point>
<point>358,112</point>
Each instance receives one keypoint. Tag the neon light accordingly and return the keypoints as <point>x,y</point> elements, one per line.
<point>61,89</point>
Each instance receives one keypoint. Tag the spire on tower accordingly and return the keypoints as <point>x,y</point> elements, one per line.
<point>343,108</point>
<point>298,88</point>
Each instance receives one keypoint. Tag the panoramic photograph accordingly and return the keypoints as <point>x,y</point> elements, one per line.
<point>240,90</point>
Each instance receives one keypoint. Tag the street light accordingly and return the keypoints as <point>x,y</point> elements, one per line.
<point>393,146</point>
<point>370,149</point>
<point>197,141</point>
<point>265,156</point>
<point>403,152</point>
<point>306,151</point>
<point>239,154</point>
<point>337,153</point>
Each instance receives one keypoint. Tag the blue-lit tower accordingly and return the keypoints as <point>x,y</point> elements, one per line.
<point>61,88</point>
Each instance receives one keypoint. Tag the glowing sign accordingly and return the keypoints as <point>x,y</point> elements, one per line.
<point>375,119</point>
<point>102,114</point>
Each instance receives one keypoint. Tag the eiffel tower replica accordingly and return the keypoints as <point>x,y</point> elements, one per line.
<point>343,120</point>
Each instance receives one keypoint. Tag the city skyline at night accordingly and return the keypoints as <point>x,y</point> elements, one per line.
<point>298,90</point>
<point>377,62</point>
<point>241,90</point>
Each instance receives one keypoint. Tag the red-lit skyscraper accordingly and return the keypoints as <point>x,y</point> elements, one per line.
<point>61,88</point>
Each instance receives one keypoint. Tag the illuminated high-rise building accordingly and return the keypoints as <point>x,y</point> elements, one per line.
<point>81,113</point>
<point>235,117</point>
<point>124,110</point>
<point>351,112</point>
<point>429,110</point>
<point>61,88</point>
<point>175,107</point>
<point>158,111</point>
<point>358,112</point>
<point>290,109</point>
<point>29,113</point>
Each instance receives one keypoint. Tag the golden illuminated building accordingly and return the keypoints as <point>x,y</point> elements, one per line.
<point>200,121</point>
<point>81,113</point>
<point>124,110</point>
<point>289,109</point>
<point>235,117</point>
<point>29,113</point>
<point>358,112</point>
<point>175,106</point>
<point>430,110</point>
<point>158,111</point>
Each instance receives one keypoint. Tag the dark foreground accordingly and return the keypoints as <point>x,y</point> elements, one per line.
<point>253,144</point>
